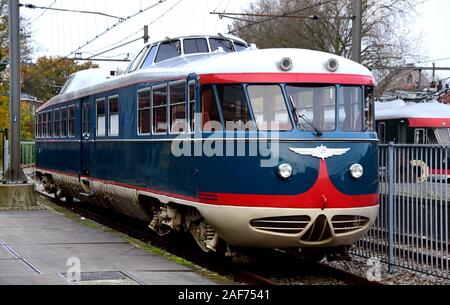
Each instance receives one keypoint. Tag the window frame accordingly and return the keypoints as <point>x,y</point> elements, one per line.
<point>156,87</point>
<point>188,102</point>
<point>109,116</point>
<point>74,121</point>
<point>171,42</point>
<point>169,106</point>
<point>58,122</point>
<point>148,89</point>
<point>195,38</point>
<point>362,107</point>
<point>62,110</point>
<point>96,116</point>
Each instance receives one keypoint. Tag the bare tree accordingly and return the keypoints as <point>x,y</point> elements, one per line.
<point>327,26</point>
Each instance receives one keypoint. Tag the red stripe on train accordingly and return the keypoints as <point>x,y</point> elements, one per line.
<point>316,78</point>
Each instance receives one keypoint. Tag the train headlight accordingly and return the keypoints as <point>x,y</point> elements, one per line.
<point>285,171</point>
<point>356,170</point>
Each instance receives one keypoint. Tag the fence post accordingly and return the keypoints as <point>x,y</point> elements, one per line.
<point>390,207</point>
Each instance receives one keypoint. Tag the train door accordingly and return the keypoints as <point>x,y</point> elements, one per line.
<point>194,129</point>
<point>86,140</point>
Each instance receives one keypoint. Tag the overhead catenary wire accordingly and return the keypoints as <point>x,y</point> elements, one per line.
<point>45,11</point>
<point>114,25</point>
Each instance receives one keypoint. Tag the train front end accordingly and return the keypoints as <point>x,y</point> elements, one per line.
<point>292,159</point>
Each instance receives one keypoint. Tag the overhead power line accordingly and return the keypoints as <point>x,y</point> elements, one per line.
<point>314,17</point>
<point>33,6</point>
<point>279,16</point>
<point>116,24</point>
<point>45,11</point>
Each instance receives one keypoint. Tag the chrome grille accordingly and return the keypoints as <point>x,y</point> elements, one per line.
<point>348,223</point>
<point>282,224</point>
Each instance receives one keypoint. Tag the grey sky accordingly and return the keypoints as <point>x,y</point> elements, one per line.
<point>59,33</point>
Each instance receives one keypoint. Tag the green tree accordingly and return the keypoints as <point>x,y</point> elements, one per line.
<point>43,78</point>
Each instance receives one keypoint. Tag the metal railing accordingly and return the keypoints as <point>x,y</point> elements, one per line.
<point>412,228</point>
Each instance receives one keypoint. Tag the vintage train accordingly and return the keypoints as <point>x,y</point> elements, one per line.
<point>206,134</point>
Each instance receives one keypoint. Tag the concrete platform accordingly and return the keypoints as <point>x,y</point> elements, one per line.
<point>39,247</point>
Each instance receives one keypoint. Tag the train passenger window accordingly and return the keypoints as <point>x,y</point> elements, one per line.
<point>269,107</point>
<point>210,113</point>
<point>113,116</point>
<point>63,122</point>
<point>36,126</point>
<point>71,119</point>
<point>316,104</point>
<point>56,120</point>
<point>234,107</point>
<point>44,125</point>
<point>443,136</point>
<point>49,124</point>
<point>419,136</point>
<point>226,45</point>
<point>191,95</point>
<point>101,118</point>
<point>177,108</point>
<point>144,112</point>
<point>160,110</point>
<point>195,45</point>
<point>150,57</point>
<point>350,109</point>
<point>168,50</point>
<point>86,119</point>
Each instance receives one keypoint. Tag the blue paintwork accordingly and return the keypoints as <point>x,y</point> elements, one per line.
<point>151,164</point>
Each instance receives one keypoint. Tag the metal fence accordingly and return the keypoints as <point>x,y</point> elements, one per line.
<point>28,153</point>
<point>412,228</point>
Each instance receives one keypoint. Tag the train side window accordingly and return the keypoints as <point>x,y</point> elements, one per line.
<point>56,120</point>
<point>233,104</point>
<point>113,116</point>
<point>195,45</point>
<point>36,126</point>
<point>269,107</point>
<point>63,122</point>
<point>177,108</point>
<point>144,112</point>
<point>167,50</point>
<point>71,121</point>
<point>39,129</point>
<point>210,113</point>
<point>225,44</point>
<point>159,98</point>
<point>49,124</point>
<point>101,117</point>
<point>44,125</point>
<point>191,95</point>
<point>382,132</point>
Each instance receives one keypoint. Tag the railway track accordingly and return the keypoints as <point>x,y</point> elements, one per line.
<point>267,268</point>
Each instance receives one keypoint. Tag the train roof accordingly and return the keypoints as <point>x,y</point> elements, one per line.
<point>251,65</point>
<point>429,114</point>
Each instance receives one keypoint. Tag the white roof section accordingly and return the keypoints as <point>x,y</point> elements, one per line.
<point>247,61</point>
<point>85,78</point>
<point>399,109</point>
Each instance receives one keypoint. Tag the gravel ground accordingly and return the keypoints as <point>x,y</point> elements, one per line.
<point>401,276</point>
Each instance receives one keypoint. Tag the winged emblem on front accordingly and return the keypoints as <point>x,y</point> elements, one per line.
<point>321,152</point>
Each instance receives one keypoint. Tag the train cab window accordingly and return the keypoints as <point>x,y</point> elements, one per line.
<point>144,112</point>
<point>210,113</point>
<point>177,108</point>
<point>226,45</point>
<point>269,107</point>
<point>150,57</point>
<point>195,45</point>
<point>101,118</point>
<point>239,46</point>
<point>316,104</point>
<point>63,122</point>
<point>234,107</point>
<point>160,110</point>
<point>167,50</point>
<point>350,109</point>
<point>136,61</point>
<point>56,120</point>
<point>191,95</point>
<point>113,116</point>
<point>71,121</point>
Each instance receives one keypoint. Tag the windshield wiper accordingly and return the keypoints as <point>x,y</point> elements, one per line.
<point>298,115</point>
<point>175,45</point>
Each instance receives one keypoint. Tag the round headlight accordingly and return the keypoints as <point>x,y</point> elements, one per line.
<point>356,170</point>
<point>285,171</point>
